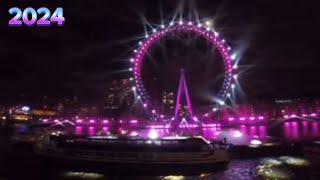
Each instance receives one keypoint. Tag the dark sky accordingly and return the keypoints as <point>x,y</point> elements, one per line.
<point>278,42</point>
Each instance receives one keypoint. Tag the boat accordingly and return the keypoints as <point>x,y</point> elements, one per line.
<point>133,153</point>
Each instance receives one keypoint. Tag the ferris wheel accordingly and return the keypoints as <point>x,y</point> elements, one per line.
<point>181,26</point>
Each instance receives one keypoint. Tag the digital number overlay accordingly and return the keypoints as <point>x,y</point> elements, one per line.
<point>39,17</point>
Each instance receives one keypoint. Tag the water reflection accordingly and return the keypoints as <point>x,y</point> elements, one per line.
<point>241,135</point>
<point>285,167</point>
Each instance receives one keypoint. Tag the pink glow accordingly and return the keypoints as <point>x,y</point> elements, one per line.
<point>262,132</point>
<point>133,121</point>
<point>121,121</point>
<point>200,30</point>
<point>286,116</point>
<point>45,120</point>
<point>315,129</point>
<point>295,130</point>
<point>237,134</point>
<point>105,121</point>
<point>56,121</point>
<point>79,121</point>
<point>305,128</point>
<point>145,105</point>
<point>304,115</point>
<point>313,114</point>
<point>231,119</point>
<point>92,121</point>
<point>287,132</point>
<point>252,118</point>
<point>293,115</point>
<point>78,130</point>
<point>261,117</point>
<point>105,128</point>
<point>242,118</point>
<point>134,133</point>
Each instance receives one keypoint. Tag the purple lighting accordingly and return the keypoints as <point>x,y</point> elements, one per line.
<point>183,84</point>
<point>133,121</point>
<point>293,116</point>
<point>92,121</point>
<point>231,119</point>
<point>162,31</point>
<point>252,118</point>
<point>105,121</point>
<point>79,121</point>
<point>313,114</point>
<point>242,118</point>
<point>260,117</point>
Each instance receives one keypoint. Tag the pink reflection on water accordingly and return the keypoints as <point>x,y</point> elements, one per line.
<point>287,130</point>
<point>243,129</point>
<point>253,131</point>
<point>315,129</point>
<point>78,130</point>
<point>295,130</point>
<point>262,132</point>
<point>92,131</point>
<point>105,130</point>
<point>305,129</point>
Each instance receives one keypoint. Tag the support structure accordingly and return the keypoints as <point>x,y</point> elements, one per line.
<point>182,87</point>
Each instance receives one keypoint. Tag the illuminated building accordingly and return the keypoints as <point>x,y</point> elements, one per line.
<point>119,96</point>
<point>167,102</point>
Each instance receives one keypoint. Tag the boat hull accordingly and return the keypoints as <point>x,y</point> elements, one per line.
<point>194,163</point>
<point>125,168</point>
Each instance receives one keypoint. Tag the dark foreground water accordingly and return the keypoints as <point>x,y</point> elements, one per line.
<point>265,168</point>
<point>285,165</point>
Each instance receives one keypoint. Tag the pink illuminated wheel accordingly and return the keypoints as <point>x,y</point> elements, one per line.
<point>209,34</point>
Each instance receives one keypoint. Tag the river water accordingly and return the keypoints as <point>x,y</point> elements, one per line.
<point>239,135</point>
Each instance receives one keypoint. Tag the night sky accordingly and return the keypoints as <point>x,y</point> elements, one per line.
<point>277,42</point>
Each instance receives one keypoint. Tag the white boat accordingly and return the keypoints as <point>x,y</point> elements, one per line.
<point>134,152</point>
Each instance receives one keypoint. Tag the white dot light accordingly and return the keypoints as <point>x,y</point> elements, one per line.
<point>131,79</point>
<point>138,97</point>
<point>154,30</point>
<point>171,23</point>
<point>130,69</point>
<point>140,42</point>
<point>162,26</point>
<point>133,88</point>
<point>228,94</point>
<point>233,56</point>
<point>180,22</point>
<point>233,86</point>
<point>190,23</point>
<point>199,25</point>
<point>235,76</point>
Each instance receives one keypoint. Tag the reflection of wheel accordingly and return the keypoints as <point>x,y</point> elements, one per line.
<point>162,31</point>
